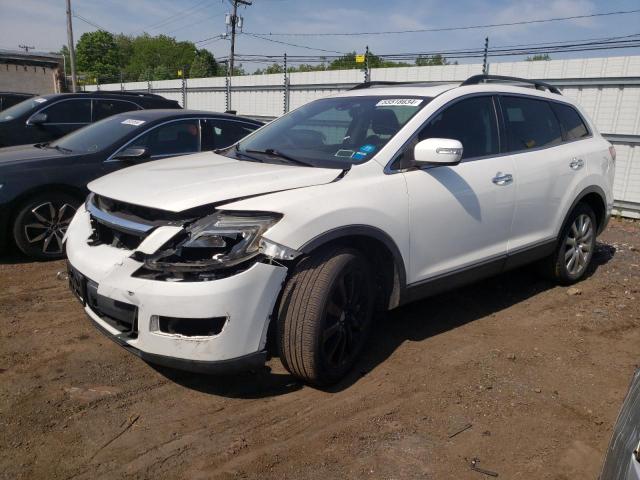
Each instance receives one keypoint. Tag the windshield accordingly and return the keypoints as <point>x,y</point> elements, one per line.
<point>331,132</point>
<point>99,135</point>
<point>21,108</point>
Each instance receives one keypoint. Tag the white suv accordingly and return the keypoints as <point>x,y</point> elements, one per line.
<point>348,205</point>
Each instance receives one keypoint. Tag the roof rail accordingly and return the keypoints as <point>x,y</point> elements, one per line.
<point>477,79</point>
<point>121,92</point>
<point>361,86</point>
<point>415,83</point>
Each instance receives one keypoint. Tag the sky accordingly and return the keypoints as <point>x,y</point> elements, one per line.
<point>42,23</point>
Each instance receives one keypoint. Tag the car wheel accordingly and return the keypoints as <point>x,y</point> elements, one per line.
<point>325,315</point>
<point>576,245</point>
<point>41,223</point>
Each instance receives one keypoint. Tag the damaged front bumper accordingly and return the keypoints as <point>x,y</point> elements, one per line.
<point>207,326</point>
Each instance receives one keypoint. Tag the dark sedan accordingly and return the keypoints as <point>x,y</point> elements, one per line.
<point>47,117</point>
<point>41,185</point>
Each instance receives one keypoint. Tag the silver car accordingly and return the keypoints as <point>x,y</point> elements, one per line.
<point>622,461</point>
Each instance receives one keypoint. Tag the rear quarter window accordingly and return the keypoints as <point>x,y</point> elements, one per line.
<point>530,123</point>
<point>573,126</point>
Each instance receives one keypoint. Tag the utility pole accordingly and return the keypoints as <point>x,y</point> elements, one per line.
<point>26,48</point>
<point>234,22</point>
<point>72,52</point>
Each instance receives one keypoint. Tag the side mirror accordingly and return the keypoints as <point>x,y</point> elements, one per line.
<point>37,119</point>
<point>437,151</point>
<point>132,154</point>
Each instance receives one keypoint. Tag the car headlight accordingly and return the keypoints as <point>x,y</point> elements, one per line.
<point>217,241</point>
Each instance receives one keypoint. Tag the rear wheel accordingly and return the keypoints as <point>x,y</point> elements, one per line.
<point>41,223</point>
<point>576,245</point>
<point>325,315</point>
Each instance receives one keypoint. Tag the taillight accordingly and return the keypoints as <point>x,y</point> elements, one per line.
<point>612,151</point>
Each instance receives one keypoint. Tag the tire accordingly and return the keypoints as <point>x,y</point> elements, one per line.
<point>576,245</point>
<point>321,332</point>
<point>41,223</point>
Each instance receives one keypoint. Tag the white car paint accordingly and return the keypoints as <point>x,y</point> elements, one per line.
<point>181,183</point>
<point>439,219</point>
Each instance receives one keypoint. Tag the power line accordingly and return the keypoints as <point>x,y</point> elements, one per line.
<point>531,49</point>
<point>292,44</point>
<point>447,29</point>
<point>206,19</point>
<point>86,20</point>
<point>213,40</point>
<point>176,16</point>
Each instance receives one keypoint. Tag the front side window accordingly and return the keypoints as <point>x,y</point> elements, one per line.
<point>471,121</point>
<point>106,108</point>
<point>332,132</point>
<point>173,138</point>
<point>571,122</point>
<point>219,133</point>
<point>530,123</point>
<point>69,111</point>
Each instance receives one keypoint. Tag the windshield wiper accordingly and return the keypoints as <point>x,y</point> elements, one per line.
<point>59,148</point>
<point>41,145</point>
<point>243,154</point>
<point>275,153</point>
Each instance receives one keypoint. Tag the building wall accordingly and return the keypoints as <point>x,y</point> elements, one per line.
<point>27,79</point>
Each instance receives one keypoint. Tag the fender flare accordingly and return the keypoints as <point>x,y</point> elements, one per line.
<point>361,231</point>
<point>578,199</point>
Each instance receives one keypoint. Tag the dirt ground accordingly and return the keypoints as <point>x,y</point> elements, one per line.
<point>536,372</point>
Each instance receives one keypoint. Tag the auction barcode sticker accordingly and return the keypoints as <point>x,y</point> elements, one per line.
<point>131,121</point>
<point>400,102</point>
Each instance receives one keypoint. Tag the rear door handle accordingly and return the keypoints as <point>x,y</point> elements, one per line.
<point>576,164</point>
<point>502,179</point>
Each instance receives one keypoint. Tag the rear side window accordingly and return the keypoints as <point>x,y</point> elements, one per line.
<point>106,108</point>
<point>571,122</point>
<point>472,122</point>
<point>530,123</point>
<point>69,111</point>
<point>223,133</point>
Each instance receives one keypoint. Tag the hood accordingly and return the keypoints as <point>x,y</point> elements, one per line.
<point>21,154</point>
<point>180,183</point>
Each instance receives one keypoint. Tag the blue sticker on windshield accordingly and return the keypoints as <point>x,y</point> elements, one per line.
<point>368,148</point>
<point>359,155</point>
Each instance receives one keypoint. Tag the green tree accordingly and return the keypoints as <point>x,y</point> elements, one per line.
<point>273,68</point>
<point>149,52</point>
<point>97,56</point>
<point>537,58</point>
<point>348,61</point>
<point>125,50</point>
<point>161,72</point>
<point>428,61</point>
<point>204,65</point>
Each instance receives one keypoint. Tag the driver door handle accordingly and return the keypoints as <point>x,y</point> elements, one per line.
<point>502,179</point>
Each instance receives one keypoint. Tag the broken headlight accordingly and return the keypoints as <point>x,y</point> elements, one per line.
<point>217,241</point>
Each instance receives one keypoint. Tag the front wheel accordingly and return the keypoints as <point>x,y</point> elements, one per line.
<point>325,315</point>
<point>576,246</point>
<point>41,223</point>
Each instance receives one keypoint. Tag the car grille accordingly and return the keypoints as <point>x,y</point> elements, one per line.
<point>107,235</point>
<point>118,224</point>
<point>124,225</point>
